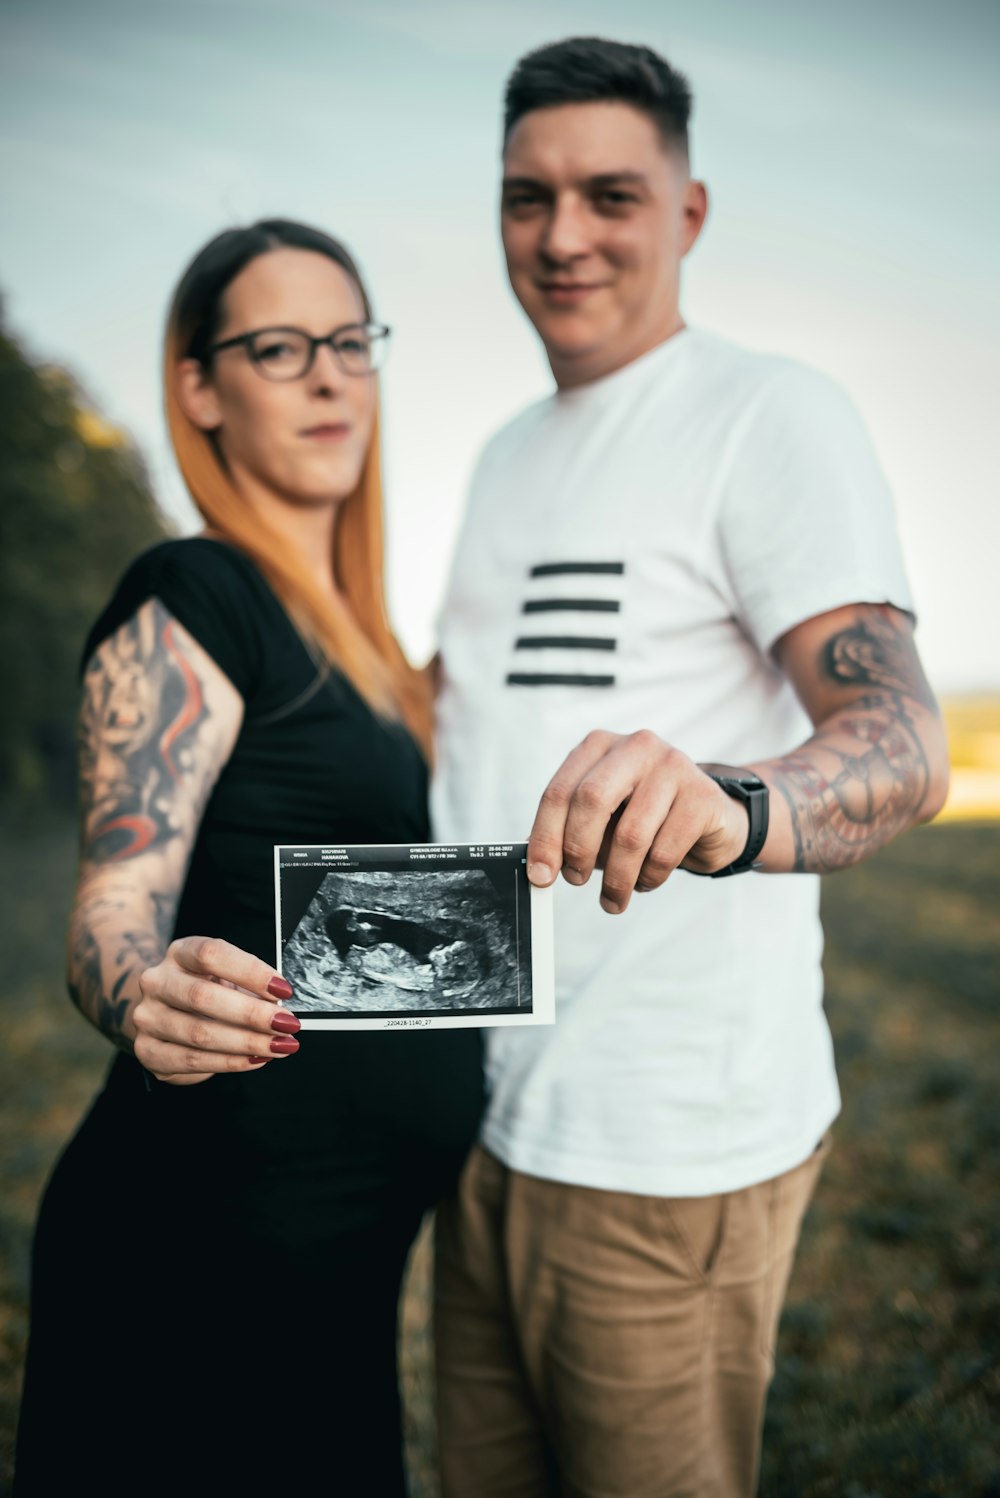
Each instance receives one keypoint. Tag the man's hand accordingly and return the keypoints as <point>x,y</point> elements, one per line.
<point>876,764</point>
<point>636,808</point>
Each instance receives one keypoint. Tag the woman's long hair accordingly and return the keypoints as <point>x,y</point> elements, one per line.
<point>358,639</point>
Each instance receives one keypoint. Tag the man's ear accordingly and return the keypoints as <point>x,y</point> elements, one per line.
<point>197,396</point>
<point>695,212</point>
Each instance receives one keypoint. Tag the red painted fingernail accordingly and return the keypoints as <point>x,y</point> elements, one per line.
<point>259,1060</point>
<point>286,1023</point>
<point>279,988</point>
<point>284,1045</point>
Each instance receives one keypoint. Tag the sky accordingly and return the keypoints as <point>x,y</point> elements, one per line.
<point>852,155</point>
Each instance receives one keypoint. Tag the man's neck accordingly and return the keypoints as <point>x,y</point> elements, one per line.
<point>570,373</point>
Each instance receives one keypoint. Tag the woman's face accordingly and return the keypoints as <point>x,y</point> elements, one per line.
<point>303,441</point>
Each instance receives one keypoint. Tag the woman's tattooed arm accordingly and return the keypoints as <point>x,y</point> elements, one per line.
<point>157,723</point>
<point>877,761</point>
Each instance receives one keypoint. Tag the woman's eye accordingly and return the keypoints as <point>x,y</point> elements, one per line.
<point>276,349</point>
<point>352,345</point>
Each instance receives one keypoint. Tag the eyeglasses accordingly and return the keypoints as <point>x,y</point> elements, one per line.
<point>288,353</point>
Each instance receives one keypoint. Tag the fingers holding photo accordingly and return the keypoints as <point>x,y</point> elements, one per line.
<point>211,957</point>
<point>629,804</point>
<point>203,1011</point>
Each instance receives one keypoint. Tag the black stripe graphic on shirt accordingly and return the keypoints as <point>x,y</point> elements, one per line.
<point>568,642</point>
<point>560,569</point>
<point>571,605</point>
<point>557,679</point>
<point>565,642</point>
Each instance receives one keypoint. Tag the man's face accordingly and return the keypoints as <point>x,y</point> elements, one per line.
<point>596,215</point>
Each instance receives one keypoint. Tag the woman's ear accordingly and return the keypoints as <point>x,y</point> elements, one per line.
<point>197,396</point>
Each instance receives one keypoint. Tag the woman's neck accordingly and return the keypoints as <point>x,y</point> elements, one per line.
<point>309,529</point>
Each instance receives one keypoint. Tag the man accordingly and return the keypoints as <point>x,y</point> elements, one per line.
<point>668,568</point>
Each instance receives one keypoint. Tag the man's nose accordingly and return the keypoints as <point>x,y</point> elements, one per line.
<point>565,236</point>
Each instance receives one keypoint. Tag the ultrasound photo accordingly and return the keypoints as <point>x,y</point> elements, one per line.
<point>415,936</point>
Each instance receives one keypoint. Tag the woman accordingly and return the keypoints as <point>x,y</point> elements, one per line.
<point>219,1252</point>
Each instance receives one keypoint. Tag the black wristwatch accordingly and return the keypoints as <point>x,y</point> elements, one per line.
<point>745,786</point>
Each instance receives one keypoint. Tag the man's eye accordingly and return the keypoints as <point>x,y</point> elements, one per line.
<point>616,197</point>
<point>355,345</point>
<point>520,200</point>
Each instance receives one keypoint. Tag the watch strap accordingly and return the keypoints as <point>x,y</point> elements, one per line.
<point>748,788</point>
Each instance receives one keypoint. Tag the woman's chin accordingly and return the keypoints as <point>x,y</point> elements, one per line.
<point>322,485</point>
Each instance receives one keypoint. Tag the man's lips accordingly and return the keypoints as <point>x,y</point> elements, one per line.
<point>330,431</point>
<point>567,293</point>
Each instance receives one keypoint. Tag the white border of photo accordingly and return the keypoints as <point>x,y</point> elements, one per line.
<point>346,858</point>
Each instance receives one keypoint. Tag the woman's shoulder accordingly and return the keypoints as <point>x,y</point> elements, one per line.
<point>205,558</point>
<point>213,590</point>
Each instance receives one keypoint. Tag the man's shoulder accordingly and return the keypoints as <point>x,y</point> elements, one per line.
<point>762,401</point>
<point>717,361</point>
<point>742,387</point>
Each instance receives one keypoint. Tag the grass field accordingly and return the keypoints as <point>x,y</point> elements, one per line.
<point>889,1359</point>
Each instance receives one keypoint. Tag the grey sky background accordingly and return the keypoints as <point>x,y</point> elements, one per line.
<point>852,155</point>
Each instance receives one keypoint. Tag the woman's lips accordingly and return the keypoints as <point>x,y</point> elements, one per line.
<point>329,432</point>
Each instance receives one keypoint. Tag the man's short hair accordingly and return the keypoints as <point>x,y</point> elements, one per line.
<point>588,69</point>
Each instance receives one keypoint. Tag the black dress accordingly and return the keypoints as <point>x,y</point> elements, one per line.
<point>216,1268</point>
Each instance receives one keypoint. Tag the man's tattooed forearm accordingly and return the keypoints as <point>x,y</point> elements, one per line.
<point>143,712</point>
<point>847,801</point>
<point>877,651</point>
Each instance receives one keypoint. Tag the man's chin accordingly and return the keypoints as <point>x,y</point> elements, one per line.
<point>563,340</point>
<point>565,328</point>
<point>574,360</point>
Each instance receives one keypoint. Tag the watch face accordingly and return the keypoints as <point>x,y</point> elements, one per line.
<point>732,772</point>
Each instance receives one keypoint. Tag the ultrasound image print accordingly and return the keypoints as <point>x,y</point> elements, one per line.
<point>441,941</point>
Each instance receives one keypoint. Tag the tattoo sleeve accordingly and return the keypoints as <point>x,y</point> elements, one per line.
<point>157,722</point>
<point>868,771</point>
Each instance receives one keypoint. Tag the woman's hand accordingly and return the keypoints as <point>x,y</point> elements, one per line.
<point>209,1007</point>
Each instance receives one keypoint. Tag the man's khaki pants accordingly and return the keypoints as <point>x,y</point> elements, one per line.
<point>598,1344</point>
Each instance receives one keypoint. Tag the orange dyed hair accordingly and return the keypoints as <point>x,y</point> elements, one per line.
<point>356,639</point>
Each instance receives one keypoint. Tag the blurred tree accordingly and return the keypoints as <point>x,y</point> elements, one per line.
<point>75,507</point>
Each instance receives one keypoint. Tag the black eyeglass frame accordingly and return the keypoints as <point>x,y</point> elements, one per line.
<point>376,331</point>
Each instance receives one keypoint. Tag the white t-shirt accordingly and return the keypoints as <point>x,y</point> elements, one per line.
<point>670,522</point>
